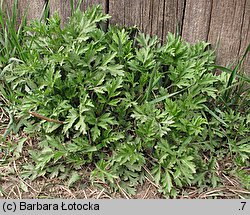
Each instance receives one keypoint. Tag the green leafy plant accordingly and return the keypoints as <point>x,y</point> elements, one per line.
<point>120,102</point>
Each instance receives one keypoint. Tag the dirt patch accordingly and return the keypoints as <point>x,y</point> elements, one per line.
<point>12,186</point>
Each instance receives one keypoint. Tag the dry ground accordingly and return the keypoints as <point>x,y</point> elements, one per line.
<point>13,186</point>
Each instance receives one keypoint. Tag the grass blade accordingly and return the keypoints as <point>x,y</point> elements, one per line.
<point>159,99</point>
<point>236,68</point>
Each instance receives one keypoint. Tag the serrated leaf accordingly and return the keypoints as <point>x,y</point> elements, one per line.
<point>81,125</point>
<point>115,70</point>
<point>214,180</point>
<point>71,118</point>
<point>102,173</point>
<point>44,159</point>
<point>112,87</point>
<point>187,162</point>
<point>167,181</point>
<point>23,186</point>
<point>74,178</point>
<point>95,132</point>
<point>58,155</point>
<point>157,176</point>
<point>106,120</point>
<point>108,58</point>
<point>19,147</point>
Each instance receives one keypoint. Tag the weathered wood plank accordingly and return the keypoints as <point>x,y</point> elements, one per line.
<point>196,20</point>
<point>64,10</point>
<point>173,16</point>
<point>225,29</point>
<point>147,15</point>
<point>62,7</point>
<point>155,17</point>
<point>34,7</point>
<point>245,36</point>
<point>117,16</point>
<point>88,3</point>
<point>142,13</point>
<point>131,13</point>
<point>8,4</point>
<point>225,23</point>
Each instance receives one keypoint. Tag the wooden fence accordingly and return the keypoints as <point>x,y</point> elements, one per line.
<point>223,23</point>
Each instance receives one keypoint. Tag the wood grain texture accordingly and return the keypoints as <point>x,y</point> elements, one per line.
<point>173,16</point>
<point>64,10</point>
<point>245,35</point>
<point>157,18</point>
<point>34,8</point>
<point>118,17</point>
<point>62,7</point>
<point>8,4</point>
<point>223,23</point>
<point>131,13</point>
<point>147,15</point>
<point>88,3</point>
<point>225,29</point>
<point>196,20</point>
<point>154,17</point>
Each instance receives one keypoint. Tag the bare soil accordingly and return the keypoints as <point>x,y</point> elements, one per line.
<point>12,186</point>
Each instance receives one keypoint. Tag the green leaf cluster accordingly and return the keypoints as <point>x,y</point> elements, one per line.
<point>121,101</point>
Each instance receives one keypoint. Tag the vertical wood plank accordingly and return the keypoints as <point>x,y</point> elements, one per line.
<point>155,17</point>
<point>117,11</point>
<point>144,18</point>
<point>34,7</point>
<point>147,15</point>
<point>105,7</point>
<point>245,36</point>
<point>62,7</point>
<point>225,29</point>
<point>88,3</point>
<point>8,4</point>
<point>225,23</point>
<point>173,16</point>
<point>141,13</point>
<point>130,13</point>
<point>196,20</point>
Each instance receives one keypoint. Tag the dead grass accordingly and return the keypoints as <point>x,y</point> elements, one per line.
<point>12,186</point>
